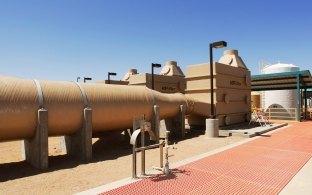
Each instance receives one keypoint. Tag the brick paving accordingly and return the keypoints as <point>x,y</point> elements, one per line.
<point>262,166</point>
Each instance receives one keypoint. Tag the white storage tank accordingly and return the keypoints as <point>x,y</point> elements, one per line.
<point>280,100</point>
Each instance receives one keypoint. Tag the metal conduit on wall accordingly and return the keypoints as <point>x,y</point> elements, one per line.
<point>114,106</point>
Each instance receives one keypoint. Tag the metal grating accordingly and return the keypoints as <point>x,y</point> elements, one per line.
<point>262,166</point>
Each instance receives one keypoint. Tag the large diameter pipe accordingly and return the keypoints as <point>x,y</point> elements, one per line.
<point>114,106</point>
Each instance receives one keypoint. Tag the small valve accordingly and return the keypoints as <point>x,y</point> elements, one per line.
<point>174,146</point>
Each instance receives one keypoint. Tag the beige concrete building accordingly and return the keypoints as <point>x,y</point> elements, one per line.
<point>232,89</point>
<point>170,80</point>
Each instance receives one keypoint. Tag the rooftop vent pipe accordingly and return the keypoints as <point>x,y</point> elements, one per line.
<point>171,68</point>
<point>231,57</point>
<point>129,73</point>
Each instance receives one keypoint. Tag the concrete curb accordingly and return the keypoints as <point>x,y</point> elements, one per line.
<point>249,133</point>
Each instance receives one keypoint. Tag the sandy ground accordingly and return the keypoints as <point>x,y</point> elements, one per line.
<point>111,162</point>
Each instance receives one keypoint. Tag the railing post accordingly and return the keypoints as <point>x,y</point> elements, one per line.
<point>134,161</point>
<point>161,155</point>
<point>142,152</point>
<point>305,104</point>
<point>298,115</point>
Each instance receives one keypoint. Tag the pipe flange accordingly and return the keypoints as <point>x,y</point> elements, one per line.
<point>40,94</point>
<point>84,95</point>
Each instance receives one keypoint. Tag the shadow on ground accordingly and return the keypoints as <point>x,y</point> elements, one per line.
<point>242,126</point>
<point>108,147</point>
<point>172,175</point>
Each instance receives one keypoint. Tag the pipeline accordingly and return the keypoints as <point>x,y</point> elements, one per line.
<point>113,106</point>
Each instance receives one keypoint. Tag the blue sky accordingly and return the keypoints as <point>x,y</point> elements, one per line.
<point>63,39</point>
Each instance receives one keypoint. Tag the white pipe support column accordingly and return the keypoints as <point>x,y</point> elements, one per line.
<point>176,125</point>
<point>181,118</point>
<point>155,122</point>
<point>36,148</point>
<point>80,143</point>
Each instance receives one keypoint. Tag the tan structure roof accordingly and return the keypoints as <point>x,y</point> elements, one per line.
<point>129,73</point>
<point>232,58</point>
<point>171,69</point>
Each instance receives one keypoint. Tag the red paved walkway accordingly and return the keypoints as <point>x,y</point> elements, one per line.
<point>262,166</point>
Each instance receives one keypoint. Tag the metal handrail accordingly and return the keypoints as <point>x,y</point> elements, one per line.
<point>281,113</point>
<point>146,127</point>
